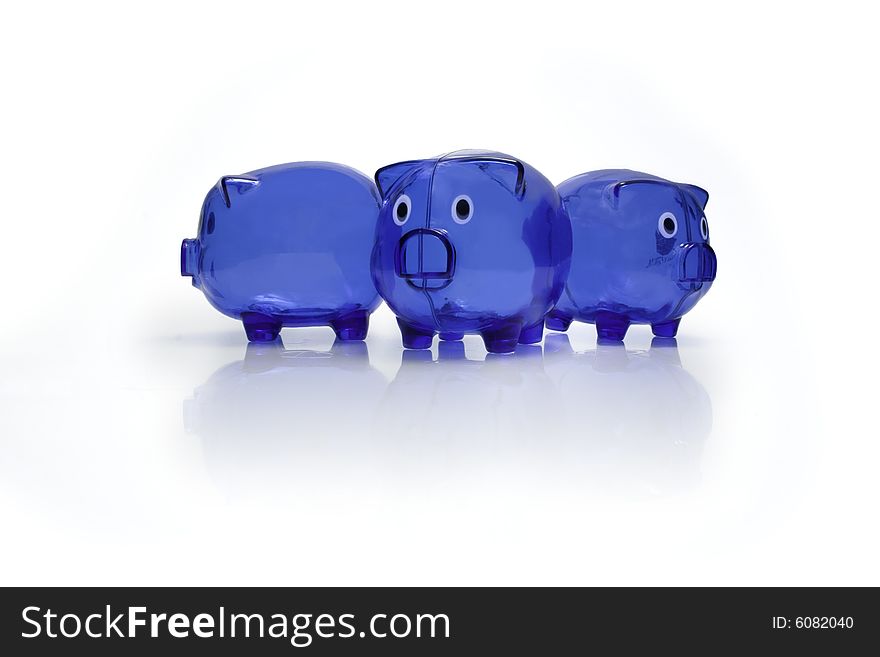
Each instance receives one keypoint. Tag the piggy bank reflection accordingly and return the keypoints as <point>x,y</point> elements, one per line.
<point>640,252</point>
<point>644,417</point>
<point>452,417</point>
<point>470,242</point>
<point>280,415</point>
<point>288,245</point>
<point>607,419</point>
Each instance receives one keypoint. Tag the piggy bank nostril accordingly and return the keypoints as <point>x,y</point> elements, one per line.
<point>408,255</point>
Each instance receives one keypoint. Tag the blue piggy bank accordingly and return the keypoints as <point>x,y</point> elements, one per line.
<point>288,245</point>
<point>640,255</point>
<point>470,242</point>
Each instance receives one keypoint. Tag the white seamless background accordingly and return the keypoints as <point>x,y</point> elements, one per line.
<point>138,447</point>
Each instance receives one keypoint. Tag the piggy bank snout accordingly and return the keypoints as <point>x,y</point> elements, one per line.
<point>698,263</point>
<point>425,254</point>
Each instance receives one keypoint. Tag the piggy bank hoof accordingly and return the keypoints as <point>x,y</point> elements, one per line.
<point>351,327</point>
<point>532,334</point>
<point>666,329</point>
<point>260,328</point>
<point>451,336</point>
<point>501,340</point>
<point>415,337</point>
<point>556,321</point>
<point>611,326</point>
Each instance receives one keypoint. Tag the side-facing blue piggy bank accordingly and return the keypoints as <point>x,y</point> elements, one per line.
<point>470,242</point>
<point>640,254</point>
<point>288,245</point>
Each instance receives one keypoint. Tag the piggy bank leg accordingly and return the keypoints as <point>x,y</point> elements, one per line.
<point>351,327</point>
<point>415,337</point>
<point>501,338</point>
<point>451,336</point>
<point>611,326</point>
<point>260,327</point>
<point>557,321</point>
<point>532,334</point>
<point>666,329</point>
<point>451,350</point>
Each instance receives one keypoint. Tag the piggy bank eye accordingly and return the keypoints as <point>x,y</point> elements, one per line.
<point>210,223</point>
<point>401,209</point>
<point>667,224</point>
<point>462,209</point>
<point>704,228</point>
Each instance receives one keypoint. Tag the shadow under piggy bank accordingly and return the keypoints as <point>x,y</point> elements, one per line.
<point>610,418</point>
<point>644,417</point>
<point>281,416</point>
<point>457,415</point>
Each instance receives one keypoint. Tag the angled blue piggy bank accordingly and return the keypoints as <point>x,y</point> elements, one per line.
<point>640,255</point>
<point>470,242</point>
<point>288,245</point>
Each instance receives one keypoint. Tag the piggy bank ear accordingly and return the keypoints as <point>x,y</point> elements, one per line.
<point>230,185</point>
<point>509,172</point>
<point>613,191</point>
<point>700,194</point>
<point>387,176</point>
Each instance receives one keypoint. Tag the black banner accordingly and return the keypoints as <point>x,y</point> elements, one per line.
<point>435,621</point>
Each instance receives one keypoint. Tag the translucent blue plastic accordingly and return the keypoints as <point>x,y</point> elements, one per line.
<point>640,255</point>
<point>288,245</point>
<point>470,242</point>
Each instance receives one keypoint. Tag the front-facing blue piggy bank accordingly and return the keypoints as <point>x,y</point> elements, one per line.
<point>470,242</point>
<point>288,245</point>
<point>641,252</point>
